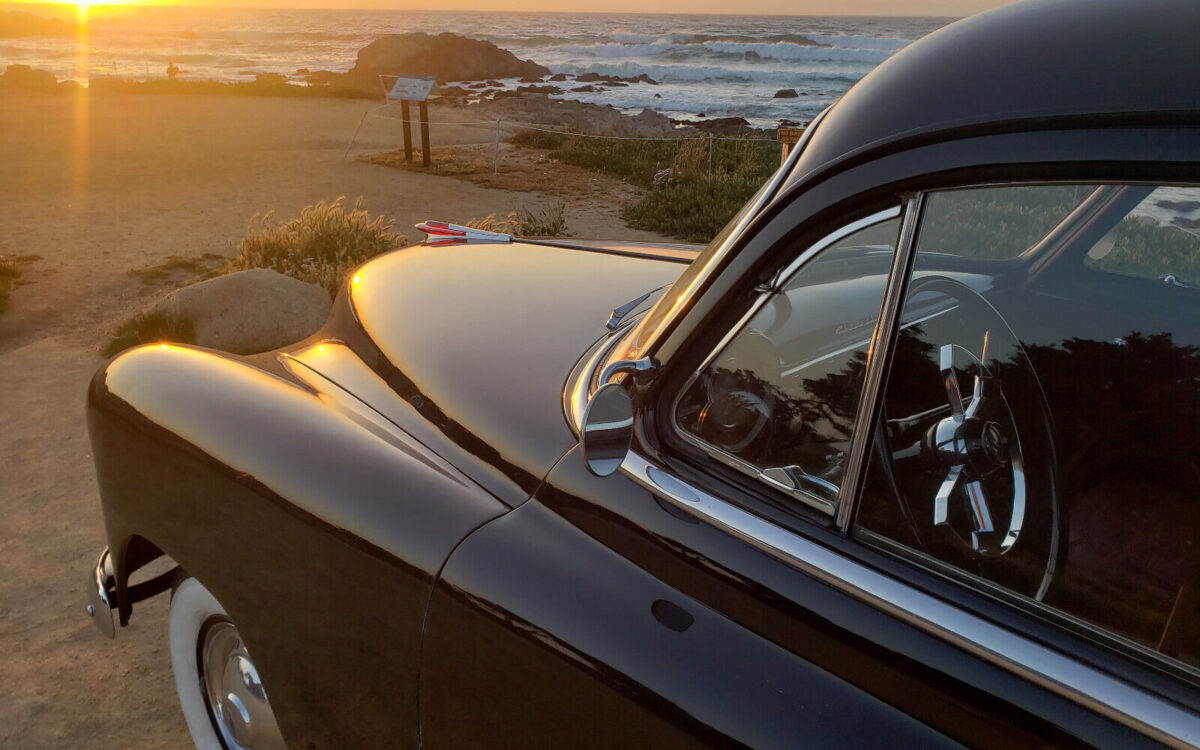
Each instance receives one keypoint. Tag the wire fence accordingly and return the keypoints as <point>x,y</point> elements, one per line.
<point>511,127</point>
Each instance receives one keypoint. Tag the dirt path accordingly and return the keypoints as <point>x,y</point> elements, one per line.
<point>99,188</point>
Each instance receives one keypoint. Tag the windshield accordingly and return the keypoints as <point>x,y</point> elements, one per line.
<point>682,291</point>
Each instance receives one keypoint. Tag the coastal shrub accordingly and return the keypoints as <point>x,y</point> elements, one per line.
<point>691,211</point>
<point>681,199</point>
<point>8,278</point>
<point>634,161</point>
<point>321,246</point>
<point>549,222</point>
<point>148,328</point>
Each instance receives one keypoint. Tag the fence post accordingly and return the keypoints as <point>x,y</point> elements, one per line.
<point>710,141</point>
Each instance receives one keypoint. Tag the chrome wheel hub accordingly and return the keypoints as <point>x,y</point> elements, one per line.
<point>237,702</point>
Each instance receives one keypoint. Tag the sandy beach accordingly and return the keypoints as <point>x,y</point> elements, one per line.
<point>103,185</point>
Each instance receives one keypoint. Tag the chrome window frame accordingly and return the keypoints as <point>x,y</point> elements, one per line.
<point>775,286</point>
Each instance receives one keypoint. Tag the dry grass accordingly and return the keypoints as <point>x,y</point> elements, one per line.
<point>320,246</point>
<point>148,328</point>
<point>549,222</point>
<point>10,275</point>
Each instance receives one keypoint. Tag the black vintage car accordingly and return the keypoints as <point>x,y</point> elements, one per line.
<point>908,456</point>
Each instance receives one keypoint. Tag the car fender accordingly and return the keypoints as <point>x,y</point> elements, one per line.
<point>310,521</point>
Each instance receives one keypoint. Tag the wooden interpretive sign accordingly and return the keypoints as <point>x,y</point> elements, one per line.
<point>413,89</point>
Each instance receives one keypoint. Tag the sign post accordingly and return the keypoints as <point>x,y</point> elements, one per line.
<point>424,107</point>
<point>413,89</point>
<point>404,113</point>
<point>789,137</point>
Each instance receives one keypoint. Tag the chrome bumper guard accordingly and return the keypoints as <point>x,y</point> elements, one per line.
<point>102,595</point>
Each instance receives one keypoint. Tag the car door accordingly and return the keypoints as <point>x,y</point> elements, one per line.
<point>705,596</point>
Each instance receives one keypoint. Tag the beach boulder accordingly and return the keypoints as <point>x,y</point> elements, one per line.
<point>27,80</point>
<point>447,57</point>
<point>18,23</point>
<point>649,123</point>
<point>249,311</point>
<point>724,126</point>
<point>785,94</point>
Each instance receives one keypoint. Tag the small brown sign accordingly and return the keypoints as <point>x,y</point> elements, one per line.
<point>789,135</point>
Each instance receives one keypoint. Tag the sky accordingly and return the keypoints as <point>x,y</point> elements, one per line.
<point>953,8</point>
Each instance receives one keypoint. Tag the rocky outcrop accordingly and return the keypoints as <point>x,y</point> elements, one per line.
<point>20,24</point>
<point>447,57</point>
<point>577,117</point>
<point>249,311</point>
<point>601,78</point>
<point>22,79</point>
<point>455,91</point>
<point>650,123</point>
<point>1181,206</point>
<point>724,126</point>
<point>785,94</point>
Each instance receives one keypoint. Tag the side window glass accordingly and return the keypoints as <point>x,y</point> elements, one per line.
<point>1159,239</point>
<point>1042,420</point>
<point>996,223</point>
<point>778,400</point>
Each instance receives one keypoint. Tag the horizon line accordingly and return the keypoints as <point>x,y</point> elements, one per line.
<point>93,7</point>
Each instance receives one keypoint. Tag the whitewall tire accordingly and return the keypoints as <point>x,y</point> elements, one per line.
<point>223,701</point>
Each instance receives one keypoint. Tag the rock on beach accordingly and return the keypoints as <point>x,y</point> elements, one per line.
<point>447,57</point>
<point>249,311</point>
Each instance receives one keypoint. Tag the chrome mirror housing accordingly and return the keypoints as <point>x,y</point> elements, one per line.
<point>607,429</point>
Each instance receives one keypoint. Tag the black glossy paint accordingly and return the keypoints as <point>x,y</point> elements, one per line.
<point>302,523</point>
<point>545,629</point>
<point>1022,66</point>
<point>478,339</point>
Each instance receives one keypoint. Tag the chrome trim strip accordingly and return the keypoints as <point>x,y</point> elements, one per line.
<point>879,355</point>
<point>781,279</point>
<point>1099,691</point>
<point>577,392</point>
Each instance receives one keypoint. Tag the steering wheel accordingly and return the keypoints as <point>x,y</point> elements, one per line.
<point>972,463</point>
<point>740,400</point>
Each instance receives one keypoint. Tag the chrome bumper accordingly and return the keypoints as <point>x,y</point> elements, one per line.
<point>102,595</point>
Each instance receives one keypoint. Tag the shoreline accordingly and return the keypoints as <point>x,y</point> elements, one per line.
<point>510,96</point>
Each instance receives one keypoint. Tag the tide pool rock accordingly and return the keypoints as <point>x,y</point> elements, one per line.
<point>447,57</point>
<point>249,311</point>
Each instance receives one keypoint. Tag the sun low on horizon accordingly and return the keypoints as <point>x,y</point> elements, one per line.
<point>83,10</point>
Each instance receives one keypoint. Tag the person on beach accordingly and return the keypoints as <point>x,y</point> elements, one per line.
<point>172,70</point>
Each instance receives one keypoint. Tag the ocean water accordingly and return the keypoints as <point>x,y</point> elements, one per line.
<point>716,65</point>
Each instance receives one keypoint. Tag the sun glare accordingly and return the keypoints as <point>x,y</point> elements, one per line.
<point>81,10</point>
